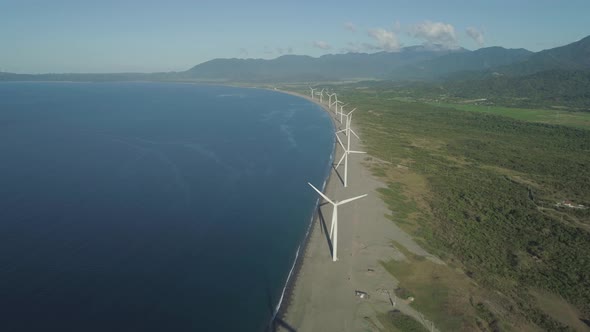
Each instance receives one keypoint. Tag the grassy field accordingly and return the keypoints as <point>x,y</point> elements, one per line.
<point>437,291</point>
<point>479,190</point>
<point>395,321</point>
<point>553,116</point>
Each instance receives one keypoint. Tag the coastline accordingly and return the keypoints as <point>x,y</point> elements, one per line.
<point>320,295</point>
<point>289,287</point>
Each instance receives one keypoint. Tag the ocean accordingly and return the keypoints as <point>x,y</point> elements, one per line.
<point>152,206</point>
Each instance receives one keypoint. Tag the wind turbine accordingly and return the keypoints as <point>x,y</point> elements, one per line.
<point>336,100</point>
<point>330,100</point>
<point>321,96</point>
<point>348,130</point>
<point>312,90</point>
<point>336,103</point>
<point>334,224</point>
<point>341,111</point>
<point>344,157</point>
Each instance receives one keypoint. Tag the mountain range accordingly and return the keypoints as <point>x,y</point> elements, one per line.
<point>330,67</point>
<point>415,63</point>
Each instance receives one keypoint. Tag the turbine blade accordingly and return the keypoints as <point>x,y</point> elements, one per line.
<point>356,151</point>
<point>321,194</point>
<point>351,199</point>
<point>344,155</point>
<point>339,141</point>
<point>352,131</point>
<point>349,113</point>
<point>341,131</point>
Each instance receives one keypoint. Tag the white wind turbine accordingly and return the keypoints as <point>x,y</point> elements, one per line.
<point>341,111</point>
<point>336,102</point>
<point>330,100</point>
<point>312,90</point>
<point>347,129</point>
<point>334,224</point>
<point>344,157</point>
<point>322,96</point>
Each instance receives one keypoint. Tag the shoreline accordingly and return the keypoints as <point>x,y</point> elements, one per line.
<point>323,295</point>
<point>301,252</point>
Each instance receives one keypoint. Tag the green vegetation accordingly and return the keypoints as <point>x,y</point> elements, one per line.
<point>555,89</point>
<point>558,117</point>
<point>492,185</point>
<point>429,285</point>
<point>552,88</point>
<point>397,321</point>
<point>556,307</point>
<point>394,197</point>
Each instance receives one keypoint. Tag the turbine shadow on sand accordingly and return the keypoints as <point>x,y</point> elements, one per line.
<point>337,173</point>
<point>324,227</point>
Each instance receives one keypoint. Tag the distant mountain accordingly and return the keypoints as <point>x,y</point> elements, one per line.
<point>300,68</point>
<point>479,60</point>
<point>574,56</point>
<point>432,62</point>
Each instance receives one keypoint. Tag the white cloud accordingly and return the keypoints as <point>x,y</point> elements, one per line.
<point>435,33</point>
<point>476,35</point>
<point>386,40</point>
<point>350,26</point>
<point>321,44</point>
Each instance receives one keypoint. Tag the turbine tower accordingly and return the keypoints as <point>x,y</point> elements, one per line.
<point>330,100</point>
<point>334,224</point>
<point>312,90</point>
<point>341,111</point>
<point>344,157</point>
<point>322,96</point>
<point>348,130</point>
<point>336,103</point>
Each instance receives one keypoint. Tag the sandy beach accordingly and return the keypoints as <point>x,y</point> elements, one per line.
<point>322,295</point>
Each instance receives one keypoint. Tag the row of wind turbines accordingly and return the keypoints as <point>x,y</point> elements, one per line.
<point>348,132</point>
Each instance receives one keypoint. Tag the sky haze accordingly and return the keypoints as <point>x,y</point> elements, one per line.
<point>148,36</point>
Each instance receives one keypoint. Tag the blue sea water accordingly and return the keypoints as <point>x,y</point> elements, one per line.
<point>152,206</point>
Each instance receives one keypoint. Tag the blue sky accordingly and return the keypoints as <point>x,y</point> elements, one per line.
<point>145,36</point>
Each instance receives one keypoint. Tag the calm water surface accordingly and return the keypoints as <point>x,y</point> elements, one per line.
<point>152,207</point>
